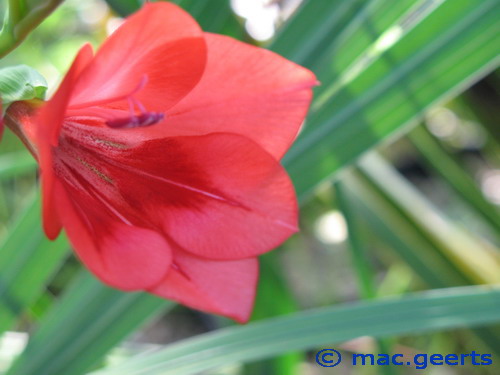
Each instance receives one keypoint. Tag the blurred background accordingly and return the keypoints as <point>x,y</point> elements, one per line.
<point>397,170</point>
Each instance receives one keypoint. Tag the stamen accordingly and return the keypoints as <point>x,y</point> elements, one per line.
<point>145,118</point>
<point>136,121</point>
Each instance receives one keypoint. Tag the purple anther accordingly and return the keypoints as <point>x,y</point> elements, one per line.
<point>136,121</point>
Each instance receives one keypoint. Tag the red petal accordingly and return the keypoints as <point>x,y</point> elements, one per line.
<point>161,42</point>
<point>121,255</point>
<point>219,196</point>
<point>226,288</point>
<point>245,90</point>
<point>49,122</point>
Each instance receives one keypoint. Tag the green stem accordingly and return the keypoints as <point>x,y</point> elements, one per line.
<point>21,21</point>
<point>14,14</point>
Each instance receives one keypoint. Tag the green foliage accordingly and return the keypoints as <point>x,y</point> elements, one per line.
<point>95,318</point>
<point>124,7</point>
<point>363,102</point>
<point>21,17</point>
<point>319,328</point>
<point>20,83</point>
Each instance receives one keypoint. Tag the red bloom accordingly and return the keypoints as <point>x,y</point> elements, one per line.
<point>159,158</point>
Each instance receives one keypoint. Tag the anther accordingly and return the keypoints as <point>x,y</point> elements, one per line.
<point>144,118</point>
<point>136,121</point>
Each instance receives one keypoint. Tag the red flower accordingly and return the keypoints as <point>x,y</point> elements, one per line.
<point>159,158</point>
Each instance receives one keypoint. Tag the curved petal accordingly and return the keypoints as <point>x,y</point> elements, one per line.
<point>219,196</point>
<point>221,287</point>
<point>49,122</point>
<point>120,254</point>
<point>244,90</point>
<point>160,42</point>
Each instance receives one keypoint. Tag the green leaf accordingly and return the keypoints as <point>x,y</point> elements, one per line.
<point>454,175</point>
<point>364,104</point>
<point>95,319</point>
<point>356,245</point>
<point>452,241</point>
<point>274,297</point>
<point>421,236</point>
<point>20,83</point>
<point>124,7</point>
<point>386,220</point>
<point>361,262</point>
<point>16,163</point>
<point>27,260</point>
<point>417,313</point>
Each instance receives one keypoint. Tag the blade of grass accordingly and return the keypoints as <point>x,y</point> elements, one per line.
<point>470,254</point>
<point>390,221</point>
<point>416,72</point>
<point>274,297</point>
<point>454,175</point>
<point>300,42</point>
<point>28,261</point>
<point>361,262</point>
<point>389,224</point>
<point>95,319</point>
<point>356,246</point>
<point>418,313</point>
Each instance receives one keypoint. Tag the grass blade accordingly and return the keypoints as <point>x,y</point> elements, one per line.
<point>28,260</point>
<point>95,319</point>
<point>422,312</point>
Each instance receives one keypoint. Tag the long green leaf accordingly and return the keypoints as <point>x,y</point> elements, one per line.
<point>441,55</point>
<point>274,297</point>
<point>386,220</point>
<point>454,174</point>
<point>394,224</point>
<point>361,262</point>
<point>423,312</point>
<point>27,260</point>
<point>95,319</point>
<point>455,243</point>
<point>357,248</point>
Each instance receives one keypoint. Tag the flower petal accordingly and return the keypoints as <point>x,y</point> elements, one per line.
<point>219,196</point>
<point>160,42</point>
<point>244,90</point>
<point>49,122</point>
<point>222,287</point>
<point>121,255</point>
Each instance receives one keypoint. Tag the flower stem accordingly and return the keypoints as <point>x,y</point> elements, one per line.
<point>20,20</point>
